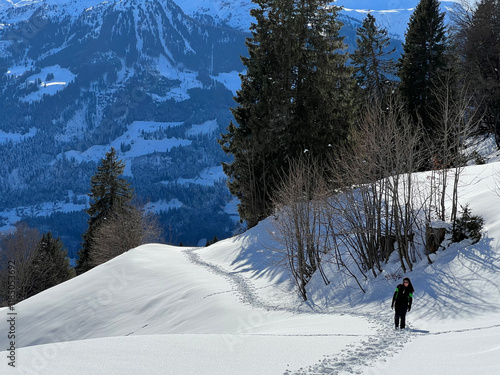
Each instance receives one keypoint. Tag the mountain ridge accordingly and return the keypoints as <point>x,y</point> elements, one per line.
<point>391,14</point>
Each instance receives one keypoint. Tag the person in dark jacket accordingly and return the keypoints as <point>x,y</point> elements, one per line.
<point>401,302</point>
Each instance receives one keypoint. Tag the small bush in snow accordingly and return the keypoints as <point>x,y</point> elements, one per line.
<point>478,159</point>
<point>468,226</point>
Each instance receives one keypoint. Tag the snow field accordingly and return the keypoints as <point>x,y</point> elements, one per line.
<point>139,146</point>
<point>163,298</point>
<point>62,77</point>
<point>175,354</point>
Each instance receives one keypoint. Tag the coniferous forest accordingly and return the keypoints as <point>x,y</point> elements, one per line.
<point>335,162</point>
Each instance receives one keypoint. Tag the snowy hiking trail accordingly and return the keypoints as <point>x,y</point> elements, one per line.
<point>163,310</point>
<point>156,305</point>
<point>358,358</point>
<point>385,342</point>
<point>228,309</point>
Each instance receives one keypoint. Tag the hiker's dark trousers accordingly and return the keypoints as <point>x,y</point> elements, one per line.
<point>400,317</point>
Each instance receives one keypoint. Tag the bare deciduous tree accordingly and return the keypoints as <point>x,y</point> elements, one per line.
<point>298,220</point>
<point>460,118</point>
<point>18,248</point>
<point>122,231</point>
<point>371,201</point>
<point>376,209</point>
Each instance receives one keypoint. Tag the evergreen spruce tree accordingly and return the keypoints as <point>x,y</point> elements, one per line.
<point>295,97</point>
<point>482,61</point>
<point>423,63</point>
<point>50,264</point>
<point>109,195</point>
<point>374,67</point>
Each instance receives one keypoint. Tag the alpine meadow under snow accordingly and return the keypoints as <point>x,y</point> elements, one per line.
<point>230,308</point>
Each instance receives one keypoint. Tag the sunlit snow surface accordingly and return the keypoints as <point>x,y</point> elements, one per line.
<point>230,309</point>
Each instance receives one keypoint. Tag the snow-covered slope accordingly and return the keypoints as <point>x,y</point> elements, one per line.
<point>173,310</point>
<point>230,309</point>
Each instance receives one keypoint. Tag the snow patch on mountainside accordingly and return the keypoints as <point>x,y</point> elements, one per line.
<point>74,203</point>
<point>208,127</point>
<point>61,77</point>
<point>162,206</point>
<point>72,4</point>
<point>16,137</point>
<point>16,71</point>
<point>74,127</point>
<point>45,209</point>
<point>235,13</point>
<point>208,177</point>
<point>188,80</point>
<point>139,141</point>
<point>231,80</point>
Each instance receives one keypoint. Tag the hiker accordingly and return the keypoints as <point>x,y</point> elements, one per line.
<point>401,302</point>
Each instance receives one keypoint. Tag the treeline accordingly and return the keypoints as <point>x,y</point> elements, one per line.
<point>330,142</point>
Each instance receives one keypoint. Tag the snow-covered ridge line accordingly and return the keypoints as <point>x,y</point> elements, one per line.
<point>235,13</point>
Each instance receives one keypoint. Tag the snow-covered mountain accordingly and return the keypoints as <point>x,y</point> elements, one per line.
<point>154,79</point>
<point>231,309</point>
<point>391,14</point>
<point>80,77</point>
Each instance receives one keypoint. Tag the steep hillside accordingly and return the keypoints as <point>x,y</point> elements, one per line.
<point>139,76</point>
<point>229,308</point>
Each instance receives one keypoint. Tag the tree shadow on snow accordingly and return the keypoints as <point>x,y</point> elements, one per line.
<point>462,282</point>
<point>260,255</point>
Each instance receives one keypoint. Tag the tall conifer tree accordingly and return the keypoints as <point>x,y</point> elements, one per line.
<point>50,264</point>
<point>109,194</point>
<point>482,61</point>
<point>423,63</point>
<point>295,97</point>
<point>374,67</point>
